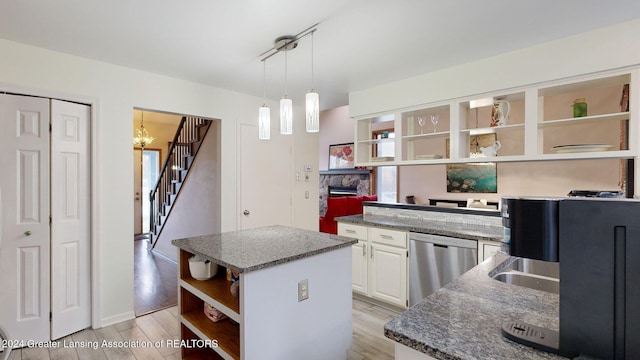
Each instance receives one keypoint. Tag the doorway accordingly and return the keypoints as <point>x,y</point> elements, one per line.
<point>155,276</point>
<point>147,168</point>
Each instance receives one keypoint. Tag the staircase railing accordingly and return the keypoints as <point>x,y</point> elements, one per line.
<point>182,151</point>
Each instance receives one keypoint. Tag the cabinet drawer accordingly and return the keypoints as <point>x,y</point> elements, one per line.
<point>388,237</point>
<point>352,231</point>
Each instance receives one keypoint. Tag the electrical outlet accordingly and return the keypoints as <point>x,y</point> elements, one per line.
<point>306,194</point>
<point>303,290</point>
<point>306,177</point>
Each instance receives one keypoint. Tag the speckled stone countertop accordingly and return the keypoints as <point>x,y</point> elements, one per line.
<point>463,319</point>
<point>254,249</point>
<point>451,229</point>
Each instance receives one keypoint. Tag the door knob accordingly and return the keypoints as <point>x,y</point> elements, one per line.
<point>246,212</point>
<point>27,233</point>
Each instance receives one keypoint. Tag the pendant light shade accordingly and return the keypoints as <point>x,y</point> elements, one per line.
<point>286,107</point>
<point>312,101</point>
<point>313,111</point>
<point>264,112</point>
<point>264,123</point>
<point>286,116</point>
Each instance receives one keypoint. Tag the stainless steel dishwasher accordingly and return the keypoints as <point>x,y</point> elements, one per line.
<point>435,261</point>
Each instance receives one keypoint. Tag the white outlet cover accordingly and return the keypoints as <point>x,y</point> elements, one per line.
<point>303,290</point>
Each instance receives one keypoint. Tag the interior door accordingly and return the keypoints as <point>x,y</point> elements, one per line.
<point>137,189</point>
<point>265,181</point>
<point>24,227</point>
<point>70,212</point>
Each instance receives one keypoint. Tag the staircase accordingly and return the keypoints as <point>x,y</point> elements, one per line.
<point>182,151</point>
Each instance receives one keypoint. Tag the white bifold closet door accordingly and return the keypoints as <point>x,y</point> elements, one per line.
<point>45,217</point>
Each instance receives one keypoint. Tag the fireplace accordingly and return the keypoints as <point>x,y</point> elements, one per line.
<point>342,182</point>
<point>335,191</point>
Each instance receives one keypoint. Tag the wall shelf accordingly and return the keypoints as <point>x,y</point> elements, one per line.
<point>539,120</point>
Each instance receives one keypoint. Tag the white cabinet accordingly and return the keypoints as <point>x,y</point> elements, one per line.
<point>487,249</point>
<point>388,274</point>
<point>541,124</point>
<point>359,267</point>
<point>359,258</point>
<point>370,137</point>
<point>379,262</point>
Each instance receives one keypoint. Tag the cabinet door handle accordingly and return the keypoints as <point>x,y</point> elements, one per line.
<point>364,250</point>
<point>385,236</point>
<point>372,251</point>
<point>350,231</point>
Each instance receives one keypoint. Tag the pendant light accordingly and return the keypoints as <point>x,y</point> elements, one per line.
<point>264,113</point>
<point>286,107</point>
<point>142,137</point>
<point>284,44</point>
<point>312,102</point>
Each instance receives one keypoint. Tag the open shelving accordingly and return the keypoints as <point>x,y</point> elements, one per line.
<point>540,122</point>
<point>193,322</point>
<point>425,132</point>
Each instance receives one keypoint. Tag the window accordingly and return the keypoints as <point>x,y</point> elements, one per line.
<point>386,177</point>
<point>150,168</point>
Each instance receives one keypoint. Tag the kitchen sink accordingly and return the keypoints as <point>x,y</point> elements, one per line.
<point>533,274</point>
<point>535,267</point>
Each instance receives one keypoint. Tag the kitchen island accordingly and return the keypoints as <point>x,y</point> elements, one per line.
<point>463,319</point>
<point>276,267</point>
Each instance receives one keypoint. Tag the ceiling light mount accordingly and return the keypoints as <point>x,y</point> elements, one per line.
<point>285,43</point>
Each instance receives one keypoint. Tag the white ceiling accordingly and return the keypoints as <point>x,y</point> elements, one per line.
<point>358,43</point>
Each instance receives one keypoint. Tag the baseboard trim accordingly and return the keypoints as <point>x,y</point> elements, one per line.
<point>162,255</point>
<point>130,315</point>
<point>376,302</point>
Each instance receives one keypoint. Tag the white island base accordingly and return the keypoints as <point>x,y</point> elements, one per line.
<point>272,323</point>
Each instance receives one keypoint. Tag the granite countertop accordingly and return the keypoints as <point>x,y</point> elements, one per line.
<point>451,229</point>
<point>259,248</point>
<point>463,319</point>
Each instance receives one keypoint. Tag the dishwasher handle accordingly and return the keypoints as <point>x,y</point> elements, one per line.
<point>444,241</point>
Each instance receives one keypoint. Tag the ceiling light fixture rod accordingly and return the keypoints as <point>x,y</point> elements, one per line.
<point>291,40</point>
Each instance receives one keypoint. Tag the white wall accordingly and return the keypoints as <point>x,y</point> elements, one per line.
<point>607,48</point>
<point>336,127</point>
<point>114,91</point>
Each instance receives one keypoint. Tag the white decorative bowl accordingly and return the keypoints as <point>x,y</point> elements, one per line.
<point>201,268</point>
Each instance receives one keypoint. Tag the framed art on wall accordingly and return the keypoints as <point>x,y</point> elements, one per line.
<point>341,156</point>
<point>474,177</point>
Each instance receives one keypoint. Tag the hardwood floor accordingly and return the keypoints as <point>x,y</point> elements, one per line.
<point>369,342</point>
<point>155,280</point>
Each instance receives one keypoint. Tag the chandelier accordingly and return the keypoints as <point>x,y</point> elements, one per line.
<point>142,137</point>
